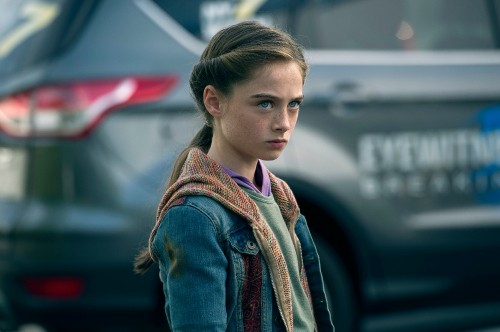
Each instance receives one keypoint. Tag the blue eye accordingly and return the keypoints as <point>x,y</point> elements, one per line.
<point>294,104</point>
<point>265,104</point>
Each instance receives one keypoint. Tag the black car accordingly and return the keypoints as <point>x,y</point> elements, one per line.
<point>395,160</point>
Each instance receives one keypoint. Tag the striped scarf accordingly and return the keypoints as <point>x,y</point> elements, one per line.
<point>200,175</point>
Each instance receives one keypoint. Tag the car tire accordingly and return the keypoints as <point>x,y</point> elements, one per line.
<point>339,288</point>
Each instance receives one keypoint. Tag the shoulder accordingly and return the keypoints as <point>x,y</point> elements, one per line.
<point>301,224</point>
<point>280,184</point>
<point>204,204</point>
<point>195,209</point>
<point>186,217</point>
<point>194,217</point>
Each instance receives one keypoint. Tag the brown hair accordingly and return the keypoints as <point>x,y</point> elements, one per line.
<point>231,56</point>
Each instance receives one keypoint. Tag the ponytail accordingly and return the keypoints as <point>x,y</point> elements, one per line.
<point>202,140</point>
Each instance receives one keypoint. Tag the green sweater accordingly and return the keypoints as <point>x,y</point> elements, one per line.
<point>303,318</point>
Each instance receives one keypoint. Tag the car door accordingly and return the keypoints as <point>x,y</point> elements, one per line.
<point>400,125</point>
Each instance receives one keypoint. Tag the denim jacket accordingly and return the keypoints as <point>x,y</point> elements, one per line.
<point>214,277</point>
<point>220,263</point>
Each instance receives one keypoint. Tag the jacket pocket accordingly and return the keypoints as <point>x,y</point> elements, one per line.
<point>243,241</point>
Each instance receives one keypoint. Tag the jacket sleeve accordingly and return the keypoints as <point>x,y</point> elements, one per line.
<point>192,269</point>
<point>315,279</point>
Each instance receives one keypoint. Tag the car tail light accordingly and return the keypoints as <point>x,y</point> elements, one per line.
<point>72,110</point>
<point>54,287</point>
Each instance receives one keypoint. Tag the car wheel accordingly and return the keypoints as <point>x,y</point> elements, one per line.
<point>339,288</point>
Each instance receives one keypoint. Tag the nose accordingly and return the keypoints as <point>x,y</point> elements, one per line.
<point>281,121</point>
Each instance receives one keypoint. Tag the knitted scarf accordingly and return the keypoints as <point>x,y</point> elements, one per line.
<point>200,175</point>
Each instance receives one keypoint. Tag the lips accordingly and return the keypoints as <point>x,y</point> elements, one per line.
<point>278,143</point>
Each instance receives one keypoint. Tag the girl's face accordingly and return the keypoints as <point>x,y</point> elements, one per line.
<point>257,119</point>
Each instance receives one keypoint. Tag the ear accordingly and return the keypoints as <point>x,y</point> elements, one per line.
<point>212,100</point>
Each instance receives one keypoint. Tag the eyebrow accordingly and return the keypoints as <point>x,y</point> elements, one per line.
<point>268,96</point>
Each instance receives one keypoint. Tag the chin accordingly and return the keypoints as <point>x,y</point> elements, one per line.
<point>271,156</point>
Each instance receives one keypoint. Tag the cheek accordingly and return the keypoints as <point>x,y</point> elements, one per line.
<point>249,124</point>
<point>238,126</point>
<point>259,126</point>
<point>293,119</point>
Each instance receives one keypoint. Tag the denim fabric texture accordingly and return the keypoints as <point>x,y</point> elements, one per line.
<point>204,253</point>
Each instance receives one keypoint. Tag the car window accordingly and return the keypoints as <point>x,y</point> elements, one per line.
<point>32,30</point>
<point>355,25</point>
<point>399,24</point>
<point>204,18</point>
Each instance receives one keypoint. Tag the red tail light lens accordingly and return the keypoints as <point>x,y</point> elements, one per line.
<point>73,110</point>
<point>54,288</point>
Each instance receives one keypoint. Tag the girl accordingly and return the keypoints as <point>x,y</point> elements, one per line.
<point>233,250</point>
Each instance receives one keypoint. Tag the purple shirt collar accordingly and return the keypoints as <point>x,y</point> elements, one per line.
<point>261,178</point>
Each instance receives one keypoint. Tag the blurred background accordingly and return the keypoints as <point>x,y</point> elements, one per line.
<point>395,160</point>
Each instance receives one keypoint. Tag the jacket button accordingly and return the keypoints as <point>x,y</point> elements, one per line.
<point>251,245</point>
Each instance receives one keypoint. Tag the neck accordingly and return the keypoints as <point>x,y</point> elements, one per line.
<point>244,168</point>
